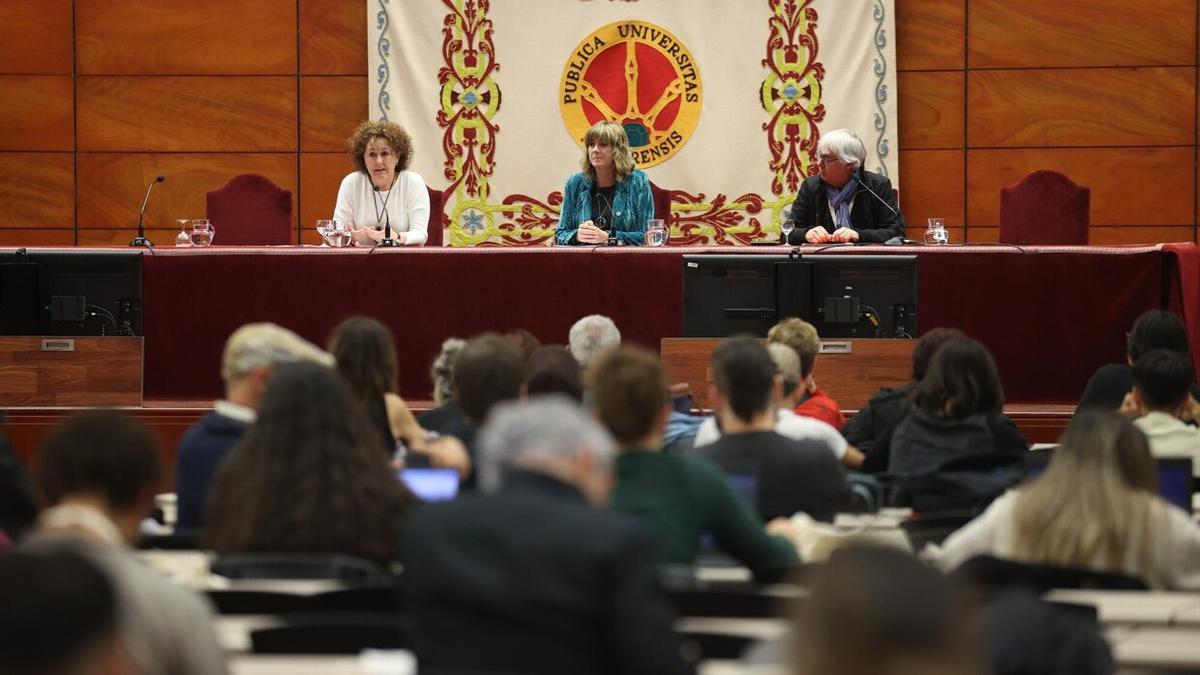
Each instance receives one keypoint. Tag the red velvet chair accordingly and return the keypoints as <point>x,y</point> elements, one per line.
<point>1045,207</point>
<point>436,206</point>
<point>662,203</point>
<point>250,210</point>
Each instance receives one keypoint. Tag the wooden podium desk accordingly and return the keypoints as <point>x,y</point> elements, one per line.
<point>858,367</point>
<point>70,371</point>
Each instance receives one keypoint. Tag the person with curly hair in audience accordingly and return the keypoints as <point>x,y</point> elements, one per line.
<point>309,477</point>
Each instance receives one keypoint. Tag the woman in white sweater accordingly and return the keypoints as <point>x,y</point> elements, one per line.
<point>1095,507</point>
<point>382,191</point>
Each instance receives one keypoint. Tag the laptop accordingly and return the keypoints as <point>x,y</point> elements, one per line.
<point>1175,478</point>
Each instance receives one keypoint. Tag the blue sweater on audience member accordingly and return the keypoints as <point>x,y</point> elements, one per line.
<point>201,452</point>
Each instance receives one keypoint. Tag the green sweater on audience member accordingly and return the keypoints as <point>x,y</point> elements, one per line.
<point>680,498</point>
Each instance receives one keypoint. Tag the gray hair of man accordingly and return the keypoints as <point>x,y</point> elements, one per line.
<point>263,345</point>
<point>592,335</point>
<point>541,434</point>
<point>442,370</point>
<point>787,363</point>
<point>844,144</point>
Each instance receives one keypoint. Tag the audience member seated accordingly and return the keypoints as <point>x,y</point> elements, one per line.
<point>788,475</point>
<point>874,424</point>
<point>787,422</point>
<point>678,498</point>
<point>956,412</point>
<point>99,473</point>
<point>534,577</point>
<point>1109,387</point>
<point>18,508</point>
<point>251,352</point>
<point>802,337</point>
<point>366,359</point>
<point>594,335</point>
<point>446,408</point>
<point>1095,507</point>
<point>880,610</point>
<point>591,336</point>
<point>1160,397</point>
<point>488,370</point>
<point>524,341</point>
<point>553,370</point>
<point>59,618</point>
<point>309,477</point>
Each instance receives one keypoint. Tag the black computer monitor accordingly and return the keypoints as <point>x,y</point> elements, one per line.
<point>69,292</point>
<point>844,296</point>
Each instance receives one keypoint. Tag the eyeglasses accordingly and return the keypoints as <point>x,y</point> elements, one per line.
<point>827,159</point>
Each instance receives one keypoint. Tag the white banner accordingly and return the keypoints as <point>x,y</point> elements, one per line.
<point>723,102</point>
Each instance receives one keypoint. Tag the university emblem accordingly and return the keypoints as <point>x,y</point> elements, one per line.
<point>639,75</point>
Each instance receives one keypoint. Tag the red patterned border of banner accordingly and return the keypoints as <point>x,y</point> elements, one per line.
<point>469,96</point>
<point>790,91</point>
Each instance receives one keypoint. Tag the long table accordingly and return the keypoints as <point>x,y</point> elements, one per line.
<point>1050,315</point>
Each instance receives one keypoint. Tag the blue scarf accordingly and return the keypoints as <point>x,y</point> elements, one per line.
<point>840,200</point>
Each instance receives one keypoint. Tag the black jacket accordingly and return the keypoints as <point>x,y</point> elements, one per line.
<point>874,221</point>
<point>533,580</point>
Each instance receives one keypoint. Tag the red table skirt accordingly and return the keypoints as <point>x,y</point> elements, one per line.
<point>1050,315</point>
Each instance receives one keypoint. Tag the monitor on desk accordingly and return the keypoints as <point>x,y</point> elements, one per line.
<point>843,296</point>
<point>71,292</point>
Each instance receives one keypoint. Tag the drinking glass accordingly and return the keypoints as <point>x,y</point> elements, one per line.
<point>339,236</point>
<point>183,238</point>
<point>936,232</point>
<point>324,227</point>
<point>202,233</point>
<point>786,227</point>
<point>656,232</point>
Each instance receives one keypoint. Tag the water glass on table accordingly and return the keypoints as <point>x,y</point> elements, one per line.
<point>936,232</point>
<point>786,228</point>
<point>202,233</point>
<point>656,232</point>
<point>335,233</point>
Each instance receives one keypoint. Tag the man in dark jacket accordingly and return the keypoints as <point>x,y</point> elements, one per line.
<point>530,577</point>
<point>845,202</point>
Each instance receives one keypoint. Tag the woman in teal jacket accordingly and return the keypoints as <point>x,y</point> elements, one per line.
<point>609,198</point>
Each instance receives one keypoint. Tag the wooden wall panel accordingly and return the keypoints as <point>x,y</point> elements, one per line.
<point>1140,235</point>
<point>36,112</point>
<point>320,175</point>
<point>112,185</point>
<point>333,37</point>
<point>1129,185</point>
<point>933,188</point>
<point>37,190</point>
<point>930,34</point>
<point>35,37</point>
<point>199,114</point>
<point>96,372</point>
<point>1081,107</point>
<point>931,109</point>
<point>330,109</point>
<point>167,37</point>
<point>37,237</point>
<point>1039,34</point>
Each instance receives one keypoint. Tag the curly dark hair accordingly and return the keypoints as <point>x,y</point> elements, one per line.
<point>366,356</point>
<point>393,133</point>
<point>308,477</point>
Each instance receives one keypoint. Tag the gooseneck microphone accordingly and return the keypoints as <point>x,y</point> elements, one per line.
<point>140,239</point>
<point>863,185</point>
<point>387,240</point>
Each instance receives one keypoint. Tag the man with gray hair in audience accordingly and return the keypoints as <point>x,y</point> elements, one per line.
<point>251,352</point>
<point>531,575</point>
<point>592,335</point>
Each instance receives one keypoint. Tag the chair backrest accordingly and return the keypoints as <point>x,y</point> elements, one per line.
<point>994,573</point>
<point>662,203</point>
<point>1044,207</point>
<point>250,210</point>
<point>437,204</point>
<point>288,565</point>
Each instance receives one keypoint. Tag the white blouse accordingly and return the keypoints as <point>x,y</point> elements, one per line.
<point>406,204</point>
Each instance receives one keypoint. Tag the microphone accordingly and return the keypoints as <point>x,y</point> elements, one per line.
<point>387,240</point>
<point>140,239</point>
<point>863,185</point>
